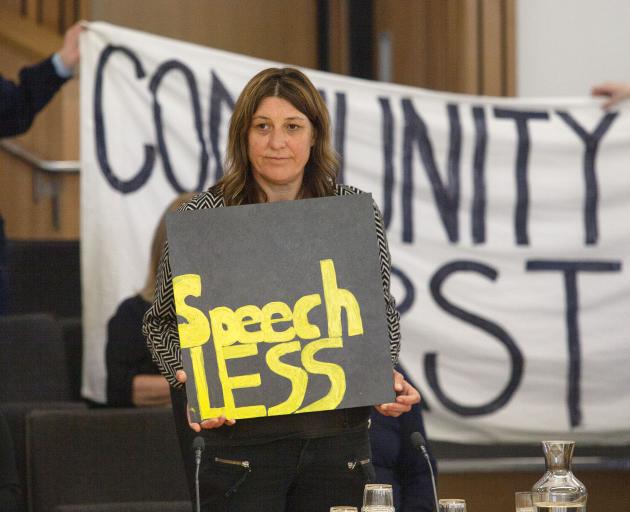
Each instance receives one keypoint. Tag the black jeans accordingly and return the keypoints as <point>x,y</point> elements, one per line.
<point>289,475</point>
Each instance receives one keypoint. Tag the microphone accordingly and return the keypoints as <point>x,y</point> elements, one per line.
<point>198,446</point>
<point>418,442</point>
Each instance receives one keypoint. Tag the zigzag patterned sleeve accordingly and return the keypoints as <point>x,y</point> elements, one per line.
<point>393,317</point>
<point>160,324</point>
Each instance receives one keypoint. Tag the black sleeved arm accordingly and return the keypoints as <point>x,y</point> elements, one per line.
<point>20,103</point>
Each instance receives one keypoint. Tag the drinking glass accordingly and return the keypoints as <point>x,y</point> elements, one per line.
<point>523,501</point>
<point>378,498</point>
<point>452,505</point>
<point>343,508</point>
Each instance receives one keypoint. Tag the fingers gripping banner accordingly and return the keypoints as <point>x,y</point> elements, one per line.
<point>507,222</point>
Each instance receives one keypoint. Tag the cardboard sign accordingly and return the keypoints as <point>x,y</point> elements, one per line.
<point>280,307</point>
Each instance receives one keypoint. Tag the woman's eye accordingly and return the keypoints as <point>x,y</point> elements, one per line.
<point>262,126</point>
<point>294,127</point>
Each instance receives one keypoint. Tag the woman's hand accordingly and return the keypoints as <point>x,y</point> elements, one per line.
<point>406,396</point>
<point>205,424</point>
<point>616,92</point>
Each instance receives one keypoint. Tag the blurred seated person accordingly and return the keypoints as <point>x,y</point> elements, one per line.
<point>20,103</point>
<point>133,379</point>
<point>615,92</point>
<point>397,462</point>
<point>9,484</point>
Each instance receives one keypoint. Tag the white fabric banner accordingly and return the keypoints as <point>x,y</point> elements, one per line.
<point>507,222</point>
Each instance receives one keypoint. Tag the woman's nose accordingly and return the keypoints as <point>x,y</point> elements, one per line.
<point>277,139</point>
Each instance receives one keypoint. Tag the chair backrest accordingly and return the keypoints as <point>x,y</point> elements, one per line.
<point>33,361</point>
<point>43,276</point>
<point>103,456</point>
<point>145,506</point>
<point>72,334</point>
<point>3,269</point>
<point>15,414</point>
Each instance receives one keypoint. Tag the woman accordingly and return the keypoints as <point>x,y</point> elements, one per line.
<point>133,379</point>
<point>278,149</point>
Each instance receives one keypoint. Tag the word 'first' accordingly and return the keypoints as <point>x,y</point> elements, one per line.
<point>237,334</point>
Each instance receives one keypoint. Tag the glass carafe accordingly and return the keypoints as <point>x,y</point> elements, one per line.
<point>559,489</point>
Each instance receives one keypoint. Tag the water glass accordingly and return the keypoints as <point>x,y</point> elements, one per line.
<point>452,505</point>
<point>378,498</point>
<point>523,501</point>
<point>343,508</point>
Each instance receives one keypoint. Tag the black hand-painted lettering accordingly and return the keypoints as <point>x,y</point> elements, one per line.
<point>446,197</point>
<point>160,73</point>
<point>137,181</point>
<point>570,270</point>
<point>521,120</point>
<point>219,95</point>
<point>387,135</point>
<point>340,132</point>
<point>410,293</point>
<point>495,330</point>
<point>478,213</point>
<point>339,128</point>
<point>591,143</point>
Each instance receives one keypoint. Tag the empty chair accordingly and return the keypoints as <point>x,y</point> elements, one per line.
<point>3,269</point>
<point>146,506</point>
<point>43,276</point>
<point>33,359</point>
<point>9,482</point>
<point>15,414</point>
<point>103,456</point>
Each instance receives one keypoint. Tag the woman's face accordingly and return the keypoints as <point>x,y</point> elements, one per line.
<point>279,144</point>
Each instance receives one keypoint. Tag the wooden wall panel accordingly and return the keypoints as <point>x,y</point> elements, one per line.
<point>13,6</point>
<point>28,198</point>
<point>406,23</point>
<point>31,9</point>
<point>68,14</point>
<point>282,30</point>
<point>451,45</point>
<point>468,80</point>
<point>23,35</point>
<point>49,14</point>
<point>339,43</point>
<point>509,41</point>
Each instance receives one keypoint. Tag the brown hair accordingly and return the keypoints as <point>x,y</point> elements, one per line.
<point>157,245</point>
<point>290,84</point>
